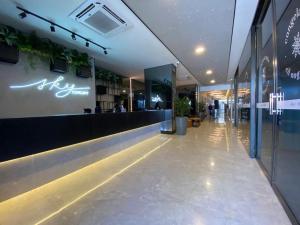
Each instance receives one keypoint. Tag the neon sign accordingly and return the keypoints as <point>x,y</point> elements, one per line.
<point>157,98</point>
<point>61,90</point>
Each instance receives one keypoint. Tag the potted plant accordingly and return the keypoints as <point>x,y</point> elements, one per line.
<point>8,50</point>
<point>182,109</point>
<point>58,60</point>
<point>201,110</point>
<point>80,61</point>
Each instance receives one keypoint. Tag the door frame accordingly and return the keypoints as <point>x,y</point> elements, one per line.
<point>260,15</point>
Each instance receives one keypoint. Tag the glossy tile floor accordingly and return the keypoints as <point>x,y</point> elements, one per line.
<point>203,178</point>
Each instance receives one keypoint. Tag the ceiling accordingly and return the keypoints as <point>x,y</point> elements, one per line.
<point>244,14</point>
<point>162,32</point>
<point>184,25</point>
<point>129,52</point>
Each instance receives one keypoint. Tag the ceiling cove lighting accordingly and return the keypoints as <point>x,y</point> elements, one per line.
<point>199,50</point>
<point>209,72</point>
<point>212,81</point>
<point>26,12</point>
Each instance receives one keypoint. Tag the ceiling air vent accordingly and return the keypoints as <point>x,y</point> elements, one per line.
<point>100,17</point>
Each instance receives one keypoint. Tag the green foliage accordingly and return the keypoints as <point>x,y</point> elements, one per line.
<point>182,106</point>
<point>8,35</point>
<point>43,48</point>
<point>201,106</point>
<point>106,75</point>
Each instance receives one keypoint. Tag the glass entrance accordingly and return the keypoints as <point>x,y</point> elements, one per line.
<point>265,87</point>
<point>287,145</point>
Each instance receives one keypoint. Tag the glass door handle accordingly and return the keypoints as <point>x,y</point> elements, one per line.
<point>276,103</point>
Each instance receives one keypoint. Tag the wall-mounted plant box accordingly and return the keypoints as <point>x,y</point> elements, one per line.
<point>59,66</point>
<point>84,71</point>
<point>9,54</point>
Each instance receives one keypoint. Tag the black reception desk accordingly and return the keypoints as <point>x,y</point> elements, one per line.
<point>26,136</point>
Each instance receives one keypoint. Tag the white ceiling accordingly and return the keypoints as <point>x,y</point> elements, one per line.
<point>129,52</point>
<point>244,14</point>
<point>184,25</point>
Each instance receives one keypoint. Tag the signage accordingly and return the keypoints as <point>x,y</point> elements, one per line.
<point>262,105</point>
<point>157,98</point>
<point>292,40</point>
<point>60,89</point>
<point>291,25</point>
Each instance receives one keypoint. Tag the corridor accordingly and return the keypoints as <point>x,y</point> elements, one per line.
<point>203,178</point>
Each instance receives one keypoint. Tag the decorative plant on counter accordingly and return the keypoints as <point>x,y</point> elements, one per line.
<point>182,109</point>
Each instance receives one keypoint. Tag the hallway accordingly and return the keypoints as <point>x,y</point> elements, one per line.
<point>203,178</point>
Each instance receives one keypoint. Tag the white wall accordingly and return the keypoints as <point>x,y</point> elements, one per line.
<point>31,102</point>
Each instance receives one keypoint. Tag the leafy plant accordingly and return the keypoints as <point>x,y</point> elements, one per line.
<point>182,106</point>
<point>201,106</point>
<point>8,35</point>
<point>43,48</point>
<point>56,52</point>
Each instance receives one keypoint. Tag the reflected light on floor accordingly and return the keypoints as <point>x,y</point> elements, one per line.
<point>25,198</point>
<point>101,184</point>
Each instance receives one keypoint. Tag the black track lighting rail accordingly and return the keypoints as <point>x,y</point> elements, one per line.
<point>52,24</point>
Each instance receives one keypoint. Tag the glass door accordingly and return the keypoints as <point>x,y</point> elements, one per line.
<point>265,86</point>
<point>287,139</point>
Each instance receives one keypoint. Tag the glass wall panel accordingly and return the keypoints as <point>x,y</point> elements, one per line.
<point>265,87</point>
<point>243,100</point>
<point>287,164</point>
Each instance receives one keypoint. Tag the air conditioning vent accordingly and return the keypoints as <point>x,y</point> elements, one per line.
<point>101,17</point>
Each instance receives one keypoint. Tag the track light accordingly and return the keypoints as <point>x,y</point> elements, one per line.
<point>73,36</point>
<point>52,28</point>
<point>24,12</point>
<point>22,15</point>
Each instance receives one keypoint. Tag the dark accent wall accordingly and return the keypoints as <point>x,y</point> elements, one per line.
<point>161,81</point>
<point>26,136</point>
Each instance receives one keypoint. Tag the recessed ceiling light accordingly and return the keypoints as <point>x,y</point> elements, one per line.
<point>208,72</point>
<point>212,81</point>
<point>199,50</point>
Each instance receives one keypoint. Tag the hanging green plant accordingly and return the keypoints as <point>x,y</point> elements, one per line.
<point>8,35</point>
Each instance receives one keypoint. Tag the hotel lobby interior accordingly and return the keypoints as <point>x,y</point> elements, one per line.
<point>161,112</point>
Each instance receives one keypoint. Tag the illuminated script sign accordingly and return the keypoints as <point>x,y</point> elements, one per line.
<point>157,98</point>
<point>60,89</point>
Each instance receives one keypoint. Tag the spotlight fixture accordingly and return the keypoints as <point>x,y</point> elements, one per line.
<point>52,28</point>
<point>199,50</point>
<point>212,81</point>
<point>208,72</point>
<point>22,15</point>
<point>24,12</point>
<point>73,36</point>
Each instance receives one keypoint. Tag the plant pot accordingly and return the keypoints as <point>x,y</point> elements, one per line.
<point>84,71</point>
<point>9,54</point>
<point>59,66</point>
<point>181,125</point>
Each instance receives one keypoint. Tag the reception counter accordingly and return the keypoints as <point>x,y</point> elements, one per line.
<point>20,137</point>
